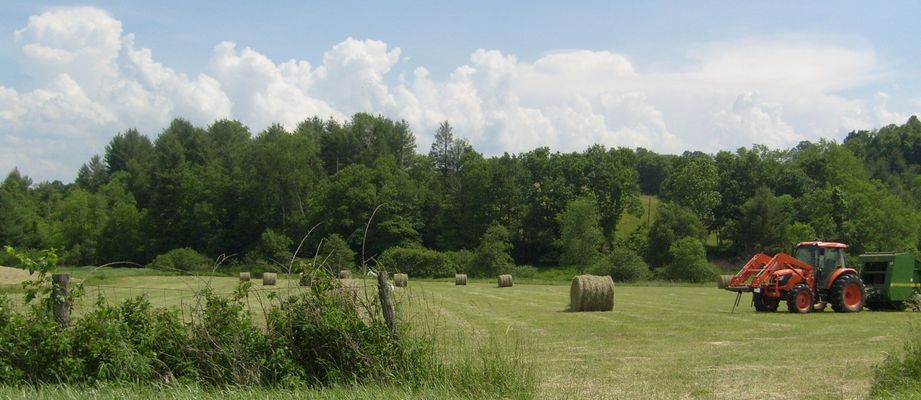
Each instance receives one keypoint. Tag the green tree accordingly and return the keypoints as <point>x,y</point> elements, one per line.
<point>493,254</point>
<point>762,223</point>
<point>689,262</point>
<point>693,184</point>
<point>672,223</point>
<point>581,238</point>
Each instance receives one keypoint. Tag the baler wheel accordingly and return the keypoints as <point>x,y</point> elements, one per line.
<point>848,294</point>
<point>800,299</point>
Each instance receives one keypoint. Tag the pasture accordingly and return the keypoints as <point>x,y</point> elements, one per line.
<point>659,342</point>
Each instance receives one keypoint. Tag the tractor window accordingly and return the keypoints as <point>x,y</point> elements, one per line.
<point>805,254</point>
<point>832,258</point>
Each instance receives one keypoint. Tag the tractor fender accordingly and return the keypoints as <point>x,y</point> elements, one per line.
<point>837,274</point>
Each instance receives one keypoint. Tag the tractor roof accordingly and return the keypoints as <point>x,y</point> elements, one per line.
<point>833,245</point>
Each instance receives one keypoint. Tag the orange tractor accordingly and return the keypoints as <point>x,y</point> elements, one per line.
<point>815,275</point>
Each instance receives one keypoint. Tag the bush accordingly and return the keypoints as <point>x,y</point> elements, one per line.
<point>689,262</point>
<point>273,246</point>
<point>337,253</point>
<point>900,374</point>
<point>493,255</point>
<point>463,260</point>
<point>623,265</point>
<point>418,262</point>
<point>523,271</point>
<point>184,259</point>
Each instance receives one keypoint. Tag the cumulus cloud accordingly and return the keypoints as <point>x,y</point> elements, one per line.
<point>92,80</point>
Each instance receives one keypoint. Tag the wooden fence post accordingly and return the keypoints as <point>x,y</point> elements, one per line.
<point>383,291</point>
<point>60,298</point>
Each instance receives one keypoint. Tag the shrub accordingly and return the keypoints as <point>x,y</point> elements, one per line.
<point>689,262</point>
<point>463,260</point>
<point>623,265</point>
<point>183,259</point>
<point>273,246</point>
<point>523,271</point>
<point>337,253</point>
<point>900,374</point>
<point>493,254</point>
<point>418,262</point>
<point>580,233</point>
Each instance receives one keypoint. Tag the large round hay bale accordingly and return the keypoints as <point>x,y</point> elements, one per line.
<point>505,280</point>
<point>723,281</point>
<point>244,277</point>
<point>460,279</point>
<point>400,280</point>
<point>345,274</point>
<point>269,278</point>
<point>591,293</point>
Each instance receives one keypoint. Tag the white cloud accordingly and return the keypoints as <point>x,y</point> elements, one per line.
<point>91,80</point>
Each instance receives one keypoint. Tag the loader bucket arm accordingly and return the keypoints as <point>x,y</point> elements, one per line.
<point>785,261</point>
<point>753,267</point>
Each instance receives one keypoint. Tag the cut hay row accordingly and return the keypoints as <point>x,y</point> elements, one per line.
<point>460,279</point>
<point>400,280</point>
<point>505,280</point>
<point>269,278</point>
<point>244,277</point>
<point>723,281</point>
<point>591,293</point>
<point>345,274</point>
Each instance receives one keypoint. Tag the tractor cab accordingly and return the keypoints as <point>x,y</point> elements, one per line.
<point>825,257</point>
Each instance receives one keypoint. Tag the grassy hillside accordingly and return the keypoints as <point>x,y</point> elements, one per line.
<point>629,222</point>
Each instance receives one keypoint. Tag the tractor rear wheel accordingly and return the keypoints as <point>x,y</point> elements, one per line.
<point>764,304</point>
<point>800,299</point>
<point>847,294</point>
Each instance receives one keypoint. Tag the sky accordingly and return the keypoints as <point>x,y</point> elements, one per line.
<point>508,76</point>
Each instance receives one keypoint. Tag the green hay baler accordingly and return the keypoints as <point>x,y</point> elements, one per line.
<point>891,279</point>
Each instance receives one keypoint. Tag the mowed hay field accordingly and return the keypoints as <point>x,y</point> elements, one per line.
<point>674,342</point>
<point>659,342</point>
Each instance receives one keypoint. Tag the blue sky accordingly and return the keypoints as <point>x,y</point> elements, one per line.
<point>510,76</point>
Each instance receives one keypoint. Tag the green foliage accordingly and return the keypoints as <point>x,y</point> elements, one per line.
<point>463,260</point>
<point>273,246</point>
<point>418,262</point>
<point>337,254</point>
<point>762,224</point>
<point>623,265</point>
<point>693,184</point>
<point>672,223</point>
<point>689,262</point>
<point>183,259</point>
<point>900,373</point>
<point>581,237</point>
<point>41,265</point>
<point>492,255</point>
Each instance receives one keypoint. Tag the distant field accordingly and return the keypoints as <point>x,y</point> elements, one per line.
<point>659,342</point>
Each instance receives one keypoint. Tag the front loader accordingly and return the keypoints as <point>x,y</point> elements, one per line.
<point>815,275</point>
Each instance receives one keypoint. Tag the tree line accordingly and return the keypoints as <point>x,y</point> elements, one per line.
<point>221,189</point>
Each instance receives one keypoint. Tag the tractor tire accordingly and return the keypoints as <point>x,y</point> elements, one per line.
<point>763,304</point>
<point>800,299</point>
<point>848,294</point>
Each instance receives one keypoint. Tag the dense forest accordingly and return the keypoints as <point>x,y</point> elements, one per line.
<point>222,190</point>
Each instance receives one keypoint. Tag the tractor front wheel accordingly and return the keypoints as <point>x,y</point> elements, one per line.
<point>848,294</point>
<point>764,304</point>
<point>800,299</point>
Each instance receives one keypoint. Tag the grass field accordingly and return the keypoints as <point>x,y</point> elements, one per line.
<point>659,342</point>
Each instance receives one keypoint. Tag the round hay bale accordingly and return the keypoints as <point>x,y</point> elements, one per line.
<point>505,280</point>
<point>460,279</point>
<point>269,278</point>
<point>345,274</point>
<point>244,277</point>
<point>400,280</point>
<point>591,293</point>
<point>723,281</point>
